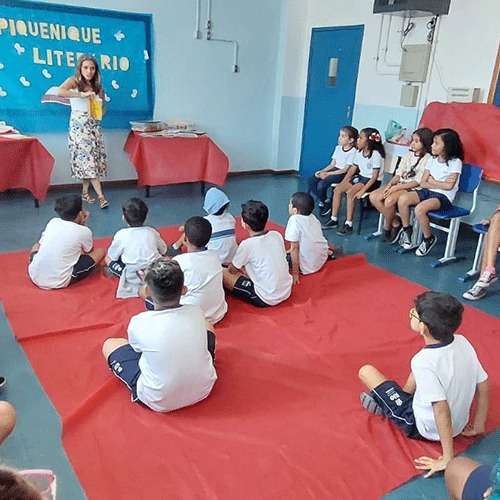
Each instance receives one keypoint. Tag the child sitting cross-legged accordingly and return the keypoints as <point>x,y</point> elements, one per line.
<point>133,248</point>
<point>167,361</point>
<point>259,271</point>
<point>446,374</point>
<point>202,270</point>
<point>223,239</point>
<point>65,253</point>
<point>308,247</point>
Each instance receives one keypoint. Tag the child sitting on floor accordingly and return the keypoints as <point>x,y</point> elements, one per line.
<point>407,176</point>
<point>437,190</point>
<point>202,270</point>
<point>223,239</point>
<point>167,362</point>
<point>342,160</point>
<point>364,176</point>
<point>133,248</point>
<point>436,400</point>
<point>65,252</point>
<point>259,271</point>
<point>308,247</point>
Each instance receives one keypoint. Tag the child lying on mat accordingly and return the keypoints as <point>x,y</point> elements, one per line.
<point>133,248</point>
<point>167,362</point>
<point>259,271</point>
<point>436,400</point>
<point>202,271</point>
<point>65,252</point>
<point>308,247</point>
<point>223,239</point>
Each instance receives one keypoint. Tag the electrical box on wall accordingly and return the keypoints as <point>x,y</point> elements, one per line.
<point>412,8</point>
<point>463,94</point>
<point>409,95</point>
<point>415,62</point>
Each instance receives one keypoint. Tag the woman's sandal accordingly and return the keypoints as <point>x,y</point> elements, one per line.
<point>103,203</point>
<point>86,197</point>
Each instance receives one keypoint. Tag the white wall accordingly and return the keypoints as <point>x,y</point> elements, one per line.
<point>195,82</point>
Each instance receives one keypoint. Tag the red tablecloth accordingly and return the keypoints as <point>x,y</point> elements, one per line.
<point>172,160</point>
<point>479,129</point>
<point>25,163</point>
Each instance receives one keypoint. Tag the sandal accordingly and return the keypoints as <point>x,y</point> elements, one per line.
<point>86,197</point>
<point>103,203</point>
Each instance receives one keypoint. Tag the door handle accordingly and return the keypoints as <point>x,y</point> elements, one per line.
<point>348,112</point>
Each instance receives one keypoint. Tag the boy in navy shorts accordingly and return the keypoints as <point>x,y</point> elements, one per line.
<point>446,374</point>
<point>167,361</point>
<point>259,271</point>
<point>65,252</point>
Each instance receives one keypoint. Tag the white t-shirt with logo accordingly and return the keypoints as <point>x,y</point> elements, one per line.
<point>203,279</point>
<point>367,164</point>
<point>450,373</point>
<point>176,366</point>
<point>223,239</point>
<point>61,244</point>
<point>343,157</point>
<point>440,171</point>
<point>264,259</point>
<point>313,247</point>
<point>137,247</point>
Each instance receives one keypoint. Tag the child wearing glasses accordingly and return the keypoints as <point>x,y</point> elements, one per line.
<point>446,374</point>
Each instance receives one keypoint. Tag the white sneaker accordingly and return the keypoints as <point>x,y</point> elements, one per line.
<point>475,293</point>
<point>486,279</point>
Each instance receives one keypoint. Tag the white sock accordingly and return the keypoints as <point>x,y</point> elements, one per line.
<point>333,218</point>
<point>348,223</point>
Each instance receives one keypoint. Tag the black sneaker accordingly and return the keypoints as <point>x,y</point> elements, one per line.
<point>345,231</point>
<point>395,234</point>
<point>321,204</point>
<point>330,224</point>
<point>385,236</point>
<point>426,246</point>
<point>327,210</point>
<point>405,239</point>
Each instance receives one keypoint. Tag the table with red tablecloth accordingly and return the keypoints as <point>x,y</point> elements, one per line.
<point>479,129</point>
<point>25,163</point>
<point>172,160</point>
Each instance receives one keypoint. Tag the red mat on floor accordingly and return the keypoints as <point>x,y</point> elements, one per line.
<point>283,420</point>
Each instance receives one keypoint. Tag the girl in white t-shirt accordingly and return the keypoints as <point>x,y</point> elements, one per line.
<point>342,160</point>
<point>437,190</point>
<point>407,176</point>
<point>364,176</point>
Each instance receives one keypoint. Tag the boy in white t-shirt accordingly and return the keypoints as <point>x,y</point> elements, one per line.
<point>167,362</point>
<point>65,252</point>
<point>202,270</point>
<point>223,239</point>
<point>334,172</point>
<point>446,374</point>
<point>308,247</point>
<point>259,271</point>
<point>136,246</point>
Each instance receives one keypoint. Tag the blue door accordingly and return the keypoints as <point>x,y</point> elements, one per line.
<point>331,89</point>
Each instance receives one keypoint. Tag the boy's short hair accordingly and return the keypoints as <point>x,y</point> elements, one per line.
<point>198,231</point>
<point>255,214</point>
<point>165,280</point>
<point>352,132</point>
<point>68,206</point>
<point>135,212</point>
<point>441,313</point>
<point>303,202</point>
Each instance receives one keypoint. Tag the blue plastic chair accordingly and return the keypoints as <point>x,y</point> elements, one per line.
<point>470,179</point>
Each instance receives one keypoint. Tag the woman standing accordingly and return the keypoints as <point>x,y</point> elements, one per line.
<point>86,143</point>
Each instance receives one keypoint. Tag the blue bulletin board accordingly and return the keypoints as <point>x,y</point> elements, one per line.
<point>39,47</point>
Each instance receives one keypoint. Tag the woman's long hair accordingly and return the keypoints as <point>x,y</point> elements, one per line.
<point>95,83</point>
